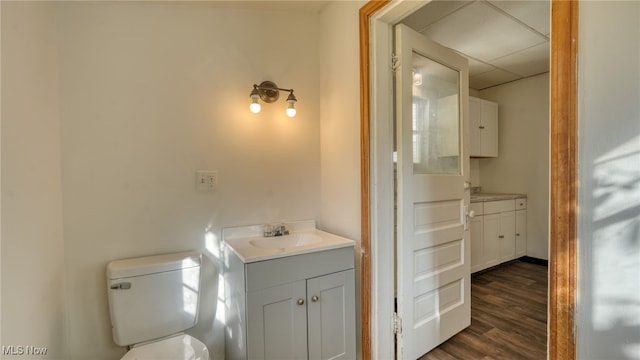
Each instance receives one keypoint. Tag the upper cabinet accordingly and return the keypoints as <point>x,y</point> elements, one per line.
<point>483,128</point>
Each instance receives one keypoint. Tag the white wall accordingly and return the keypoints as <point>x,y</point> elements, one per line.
<point>340,118</point>
<point>144,95</point>
<point>608,313</point>
<point>523,162</point>
<point>32,239</point>
<point>340,126</point>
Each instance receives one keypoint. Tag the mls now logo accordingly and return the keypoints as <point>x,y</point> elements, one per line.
<point>23,350</point>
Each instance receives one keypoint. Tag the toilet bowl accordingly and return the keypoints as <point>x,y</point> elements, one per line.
<point>152,300</point>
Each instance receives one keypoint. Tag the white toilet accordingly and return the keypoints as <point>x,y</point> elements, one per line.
<point>151,301</point>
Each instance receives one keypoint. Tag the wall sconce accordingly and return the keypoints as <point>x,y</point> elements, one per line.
<point>269,92</point>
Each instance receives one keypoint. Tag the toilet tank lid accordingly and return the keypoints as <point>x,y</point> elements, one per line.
<point>119,269</point>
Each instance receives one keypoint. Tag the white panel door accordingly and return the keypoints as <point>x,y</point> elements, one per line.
<point>433,284</point>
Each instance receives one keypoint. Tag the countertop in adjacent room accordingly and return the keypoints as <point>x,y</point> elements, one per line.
<point>481,197</point>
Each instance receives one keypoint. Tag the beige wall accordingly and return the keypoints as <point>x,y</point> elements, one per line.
<point>340,126</point>
<point>32,239</point>
<point>523,162</point>
<point>119,104</point>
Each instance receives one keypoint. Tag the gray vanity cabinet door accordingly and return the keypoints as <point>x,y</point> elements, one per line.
<point>278,326</point>
<point>331,316</point>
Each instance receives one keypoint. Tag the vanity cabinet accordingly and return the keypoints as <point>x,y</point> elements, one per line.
<point>483,129</point>
<point>294,307</point>
<point>498,232</point>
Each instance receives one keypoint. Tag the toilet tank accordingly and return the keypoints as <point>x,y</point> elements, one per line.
<point>153,297</point>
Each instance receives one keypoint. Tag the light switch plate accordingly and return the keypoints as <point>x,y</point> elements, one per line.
<point>206,180</point>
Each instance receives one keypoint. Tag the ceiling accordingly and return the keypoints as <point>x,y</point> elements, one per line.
<point>503,40</point>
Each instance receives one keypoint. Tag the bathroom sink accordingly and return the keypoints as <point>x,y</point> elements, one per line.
<point>286,241</point>
<point>250,245</point>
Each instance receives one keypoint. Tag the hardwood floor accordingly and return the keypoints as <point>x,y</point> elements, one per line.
<point>508,317</point>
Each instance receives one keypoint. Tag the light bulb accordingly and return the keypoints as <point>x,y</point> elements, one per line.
<point>291,111</point>
<point>255,105</point>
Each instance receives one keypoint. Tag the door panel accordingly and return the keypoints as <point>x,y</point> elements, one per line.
<point>491,240</point>
<point>331,316</point>
<point>278,326</point>
<point>432,258</point>
<point>507,236</point>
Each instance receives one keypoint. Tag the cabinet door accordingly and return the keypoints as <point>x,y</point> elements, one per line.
<point>489,129</point>
<point>474,127</point>
<point>477,243</point>
<point>507,236</point>
<point>278,322</point>
<point>331,316</point>
<point>521,233</point>
<point>491,246</point>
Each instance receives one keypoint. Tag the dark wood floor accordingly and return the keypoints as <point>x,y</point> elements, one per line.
<point>508,317</point>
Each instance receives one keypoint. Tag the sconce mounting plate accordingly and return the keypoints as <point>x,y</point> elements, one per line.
<point>268,91</point>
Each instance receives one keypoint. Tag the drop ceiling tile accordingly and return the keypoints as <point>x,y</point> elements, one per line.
<point>478,67</point>
<point>482,32</point>
<point>536,13</point>
<point>491,78</point>
<point>431,13</point>
<point>528,62</point>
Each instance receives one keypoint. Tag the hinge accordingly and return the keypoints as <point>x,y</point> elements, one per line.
<point>397,324</point>
<point>395,63</point>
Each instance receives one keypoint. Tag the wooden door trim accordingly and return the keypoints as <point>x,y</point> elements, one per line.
<point>366,12</point>
<point>563,183</point>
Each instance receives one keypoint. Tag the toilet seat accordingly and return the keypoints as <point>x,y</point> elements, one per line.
<point>180,347</point>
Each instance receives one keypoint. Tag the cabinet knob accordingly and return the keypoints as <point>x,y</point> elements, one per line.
<point>315,298</point>
<point>300,301</point>
<point>517,234</point>
<point>501,236</point>
<point>481,127</point>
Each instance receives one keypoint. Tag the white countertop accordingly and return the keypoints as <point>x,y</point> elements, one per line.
<point>241,240</point>
<point>480,197</point>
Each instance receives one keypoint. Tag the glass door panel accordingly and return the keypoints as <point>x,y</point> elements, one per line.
<point>436,117</point>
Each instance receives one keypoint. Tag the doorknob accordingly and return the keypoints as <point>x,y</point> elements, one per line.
<point>468,214</point>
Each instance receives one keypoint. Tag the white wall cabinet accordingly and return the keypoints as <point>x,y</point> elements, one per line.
<point>296,307</point>
<point>498,232</point>
<point>483,129</point>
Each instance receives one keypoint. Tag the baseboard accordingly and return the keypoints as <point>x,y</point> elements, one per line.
<point>533,260</point>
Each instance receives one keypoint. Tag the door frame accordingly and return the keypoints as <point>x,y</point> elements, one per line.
<point>375,19</point>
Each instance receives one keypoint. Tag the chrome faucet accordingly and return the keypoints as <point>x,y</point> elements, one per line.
<point>278,230</point>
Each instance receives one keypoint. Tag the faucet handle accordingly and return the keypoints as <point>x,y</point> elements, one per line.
<point>275,230</point>
<point>268,230</point>
<point>280,230</point>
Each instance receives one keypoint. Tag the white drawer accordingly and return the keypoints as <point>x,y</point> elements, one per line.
<point>492,207</point>
<point>477,208</point>
<point>521,203</point>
